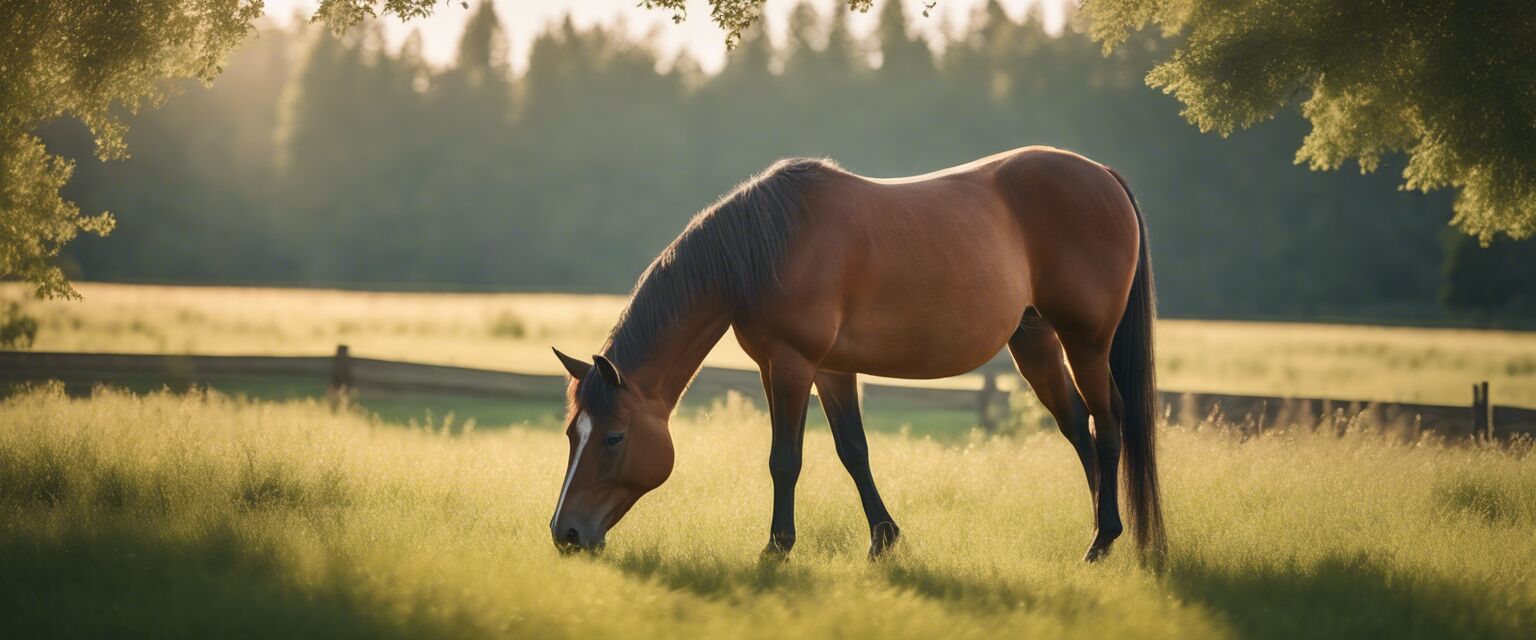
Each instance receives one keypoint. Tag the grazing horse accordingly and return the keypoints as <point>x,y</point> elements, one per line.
<point>824,275</point>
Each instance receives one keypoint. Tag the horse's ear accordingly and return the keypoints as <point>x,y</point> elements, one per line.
<point>609,371</point>
<point>576,368</point>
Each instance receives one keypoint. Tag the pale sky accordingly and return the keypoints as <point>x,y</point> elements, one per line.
<point>523,19</point>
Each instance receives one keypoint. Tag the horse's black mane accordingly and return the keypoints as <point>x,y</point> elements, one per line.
<point>730,250</point>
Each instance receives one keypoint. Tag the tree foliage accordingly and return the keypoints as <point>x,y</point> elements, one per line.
<point>733,16</point>
<point>1452,84</point>
<point>94,62</point>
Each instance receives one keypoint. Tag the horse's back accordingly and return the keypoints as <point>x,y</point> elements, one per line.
<point>916,278</point>
<point>1035,225</point>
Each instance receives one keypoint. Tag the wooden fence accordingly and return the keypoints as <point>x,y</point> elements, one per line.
<point>342,370</point>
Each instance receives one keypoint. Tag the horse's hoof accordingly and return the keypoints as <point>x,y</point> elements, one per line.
<point>773,555</point>
<point>882,537</point>
<point>1103,537</point>
<point>1096,554</point>
<point>778,548</point>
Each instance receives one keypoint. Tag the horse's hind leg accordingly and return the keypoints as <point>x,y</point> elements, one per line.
<point>1037,353</point>
<point>840,400</point>
<point>1090,366</point>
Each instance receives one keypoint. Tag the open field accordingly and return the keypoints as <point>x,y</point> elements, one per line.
<point>200,515</point>
<point>515,331</point>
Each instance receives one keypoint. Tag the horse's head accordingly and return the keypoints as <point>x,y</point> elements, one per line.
<point>620,449</point>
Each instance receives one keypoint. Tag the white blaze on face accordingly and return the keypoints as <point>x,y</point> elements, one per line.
<point>583,432</point>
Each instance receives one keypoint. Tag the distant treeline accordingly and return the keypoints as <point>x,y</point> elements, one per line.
<point>318,159</point>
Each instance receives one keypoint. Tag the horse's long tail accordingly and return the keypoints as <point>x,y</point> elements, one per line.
<point>1134,372</point>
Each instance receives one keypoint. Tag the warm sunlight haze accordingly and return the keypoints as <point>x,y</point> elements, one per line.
<point>767,319</point>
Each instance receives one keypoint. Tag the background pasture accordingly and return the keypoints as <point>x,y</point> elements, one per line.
<point>515,331</point>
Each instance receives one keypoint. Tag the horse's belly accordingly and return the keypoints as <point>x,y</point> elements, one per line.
<point>930,332</point>
<point>930,281</point>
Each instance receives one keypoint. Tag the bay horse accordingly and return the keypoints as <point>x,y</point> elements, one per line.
<point>824,274</point>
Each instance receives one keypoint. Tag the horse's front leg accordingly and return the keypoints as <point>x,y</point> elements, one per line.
<point>788,385</point>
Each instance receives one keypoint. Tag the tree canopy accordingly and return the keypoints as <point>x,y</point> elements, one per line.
<point>1452,84</point>
<point>95,61</point>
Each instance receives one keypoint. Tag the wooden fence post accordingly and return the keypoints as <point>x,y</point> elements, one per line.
<point>341,377</point>
<point>984,402</point>
<point>1482,411</point>
<point>1488,404</point>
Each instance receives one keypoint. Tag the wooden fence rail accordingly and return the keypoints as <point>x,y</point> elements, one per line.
<point>344,370</point>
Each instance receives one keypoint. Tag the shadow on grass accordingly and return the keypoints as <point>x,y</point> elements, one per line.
<point>108,581</point>
<point>711,576</point>
<point>981,592</point>
<point>1336,597</point>
<point>1346,597</point>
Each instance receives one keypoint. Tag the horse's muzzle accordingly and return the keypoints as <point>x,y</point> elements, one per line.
<point>573,541</point>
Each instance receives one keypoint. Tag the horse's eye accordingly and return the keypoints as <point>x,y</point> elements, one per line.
<point>613,439</point>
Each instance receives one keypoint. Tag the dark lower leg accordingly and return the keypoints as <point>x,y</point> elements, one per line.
<point>1109,527</point>
<point>1103,403</point>
<point>789,392</point>
<point>840,401</point>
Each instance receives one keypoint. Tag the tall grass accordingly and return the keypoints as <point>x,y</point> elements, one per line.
<point>202,515</point>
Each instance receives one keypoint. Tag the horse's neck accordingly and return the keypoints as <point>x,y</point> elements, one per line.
<point>676,353</point>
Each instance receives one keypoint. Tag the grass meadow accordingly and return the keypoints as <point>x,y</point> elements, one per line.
<point>204,515</point>
<point>515,331</point>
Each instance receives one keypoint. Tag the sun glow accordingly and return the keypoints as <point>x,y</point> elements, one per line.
<point>697,36</point>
